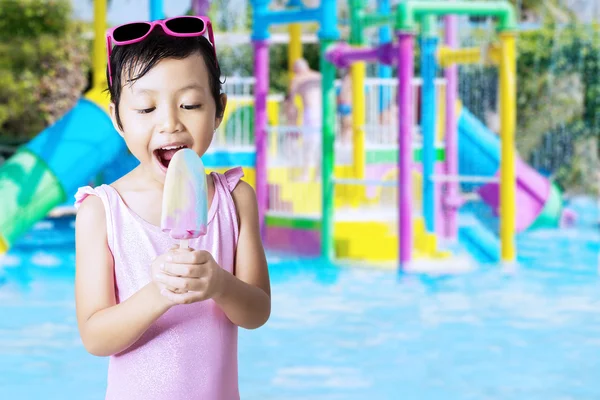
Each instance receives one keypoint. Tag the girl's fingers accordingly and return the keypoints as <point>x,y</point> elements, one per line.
<point>178,282</point>
<point>184,270</point>
<point>189,257</point>
<point>174,289</point>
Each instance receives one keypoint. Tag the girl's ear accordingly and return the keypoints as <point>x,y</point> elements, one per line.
<point>219,118</point>
<point>112,108</point>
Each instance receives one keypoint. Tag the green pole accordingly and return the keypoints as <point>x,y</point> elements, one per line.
<point>429,26</point>
<point>409,10</point>
<point>356,21</point>
<point>376,19</point>
<point>328,77</point>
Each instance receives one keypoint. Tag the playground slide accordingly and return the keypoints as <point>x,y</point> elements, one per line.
<point>539,202</point>
<point>47,171</point>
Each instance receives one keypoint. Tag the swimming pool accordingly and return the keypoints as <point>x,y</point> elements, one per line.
<point>349,333</point>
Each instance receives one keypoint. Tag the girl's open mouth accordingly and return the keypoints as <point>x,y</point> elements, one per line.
<point>165,154</point>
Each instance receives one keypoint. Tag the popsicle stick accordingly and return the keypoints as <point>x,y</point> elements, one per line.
<point>183,243</point>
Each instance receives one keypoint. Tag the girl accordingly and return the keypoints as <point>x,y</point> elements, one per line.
<point>167,318</point>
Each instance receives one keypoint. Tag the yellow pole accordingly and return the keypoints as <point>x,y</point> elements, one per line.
<point>294,53</point>
<point>508,108</point>
<point>273,118</point>
<point>448,56</point>
<point>441,114</point>
<point>99,55</point>
<point>295,47</point>
<point>357,74</point>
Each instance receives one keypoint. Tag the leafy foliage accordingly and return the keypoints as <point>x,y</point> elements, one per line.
<point>559,94</point>
<point>44,63</point>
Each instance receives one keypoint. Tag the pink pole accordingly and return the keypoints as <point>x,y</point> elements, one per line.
<point>405,118</point>
<point>200,7</point>
<point>450,191</point>
<point>261,89</point>
<point>342,55</point>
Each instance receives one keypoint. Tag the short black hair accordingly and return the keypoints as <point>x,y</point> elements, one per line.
<point>141,57</point>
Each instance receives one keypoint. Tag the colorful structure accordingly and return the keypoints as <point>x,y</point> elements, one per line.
<point>539,201</point>
<point>428,177</point>
<point>407,15</point>
<point>263,18</point>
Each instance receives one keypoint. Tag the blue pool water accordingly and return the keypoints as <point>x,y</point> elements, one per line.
<point>349,333</point>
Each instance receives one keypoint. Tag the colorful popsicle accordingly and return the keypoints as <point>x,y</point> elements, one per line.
<point>185,199</point>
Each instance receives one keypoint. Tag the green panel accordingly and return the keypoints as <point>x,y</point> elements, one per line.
<point>28,191</point>
<point>243,115</point>
<point>391,156</point>
<point>293,222</point>
<point>550,215</point>
<point>429,26</point>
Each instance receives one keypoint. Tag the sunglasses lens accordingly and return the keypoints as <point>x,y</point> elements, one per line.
<point>185,25</point>
<point>131,31</point>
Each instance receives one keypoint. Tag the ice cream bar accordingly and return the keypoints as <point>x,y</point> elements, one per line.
<point>185,199</point>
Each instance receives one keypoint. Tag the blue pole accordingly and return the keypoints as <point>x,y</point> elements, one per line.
<point>428,113</point>
<point>156,10</point>
<point>384,71</point>
<point>260,26</point>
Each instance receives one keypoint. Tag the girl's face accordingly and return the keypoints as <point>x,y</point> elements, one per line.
<point>169,108</point>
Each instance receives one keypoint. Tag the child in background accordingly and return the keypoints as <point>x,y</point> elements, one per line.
<point>344,107</point>
<point>167,317</point>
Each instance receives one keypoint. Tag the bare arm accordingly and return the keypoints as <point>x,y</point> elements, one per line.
<point>105,327</point>
<point>246,297</point>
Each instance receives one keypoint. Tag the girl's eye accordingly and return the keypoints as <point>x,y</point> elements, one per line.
<point>146,110</point>
<point>190,107</point>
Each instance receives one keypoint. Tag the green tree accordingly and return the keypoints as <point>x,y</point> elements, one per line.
<point>44,63</point>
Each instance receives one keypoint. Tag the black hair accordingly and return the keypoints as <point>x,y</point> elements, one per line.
<point>133,61</point>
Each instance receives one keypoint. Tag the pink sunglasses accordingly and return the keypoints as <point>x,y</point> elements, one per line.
<point>134,32</point>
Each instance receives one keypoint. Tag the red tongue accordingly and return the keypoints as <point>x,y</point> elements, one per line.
<point>168,154</point>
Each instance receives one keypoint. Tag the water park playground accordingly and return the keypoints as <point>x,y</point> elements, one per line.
<point>397,244</point>
<point>396,193</point>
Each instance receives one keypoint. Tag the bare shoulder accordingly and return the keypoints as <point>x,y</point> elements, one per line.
<point>243,191</point>
<point>244,198</point>
<point>90,214</point>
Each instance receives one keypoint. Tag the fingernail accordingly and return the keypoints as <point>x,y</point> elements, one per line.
<point>169,258</point>
<point>162,267</point>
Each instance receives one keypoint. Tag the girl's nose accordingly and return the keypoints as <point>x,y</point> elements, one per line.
<point>170,121</point>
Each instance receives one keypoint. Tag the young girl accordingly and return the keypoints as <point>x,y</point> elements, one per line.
<point>167,318</point>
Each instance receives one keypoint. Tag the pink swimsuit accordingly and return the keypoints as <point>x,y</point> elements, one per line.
<point>190,352</point>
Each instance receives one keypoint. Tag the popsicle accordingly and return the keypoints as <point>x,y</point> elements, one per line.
<point>185,199</point>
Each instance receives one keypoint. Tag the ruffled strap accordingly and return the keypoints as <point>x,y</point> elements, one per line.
<point>233,176</point>
<point>84,192</point>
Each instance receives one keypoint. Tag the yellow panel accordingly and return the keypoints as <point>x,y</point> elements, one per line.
<point>249,174</point>
<point>99,97</point>
<point>3,245</point>
<point>376,242</point>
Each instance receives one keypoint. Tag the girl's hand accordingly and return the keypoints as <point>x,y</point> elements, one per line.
<point>156,269</point>
<point>189,276</point>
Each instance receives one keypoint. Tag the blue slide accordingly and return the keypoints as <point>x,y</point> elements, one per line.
<point>47,171</point>
<point>539,201</point>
